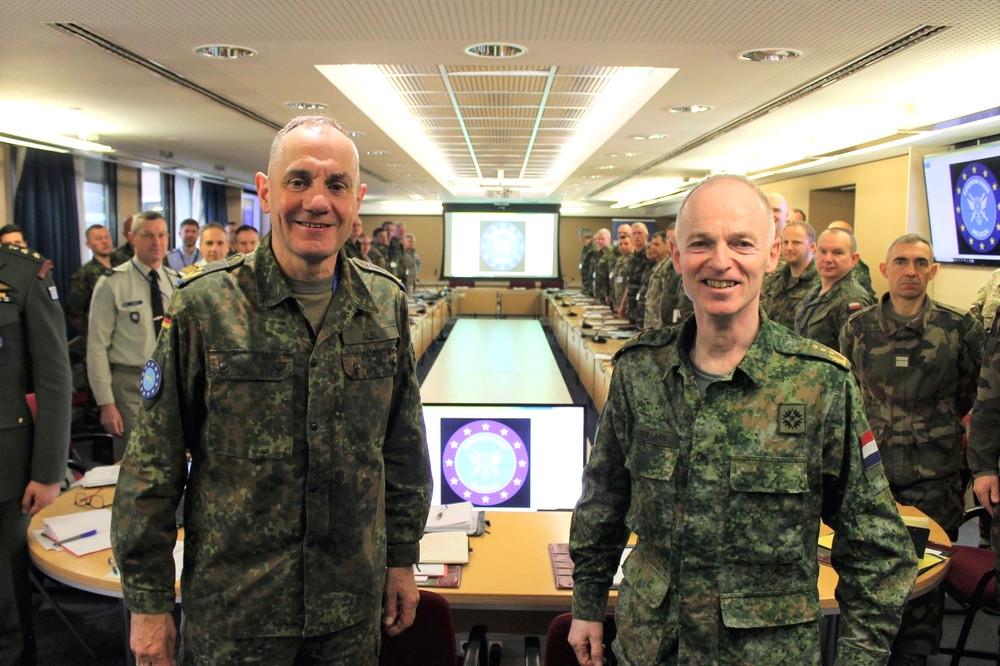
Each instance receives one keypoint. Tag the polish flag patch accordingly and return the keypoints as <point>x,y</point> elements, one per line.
<point>854,306</point>
<point>869,450</point>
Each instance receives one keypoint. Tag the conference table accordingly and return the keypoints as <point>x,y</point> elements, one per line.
<point>508,567</point>
<point>496,362</point>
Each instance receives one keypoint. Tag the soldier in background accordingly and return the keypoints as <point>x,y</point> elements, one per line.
<point>247,239</point>
<point>826,307</point>
<point>378,253</point>
<point>82,284</point>
<point>289,375</point>
<point>412,260</point>
<point>187,254</point>
<point>352,247</point>
<point>987,301</point>
<point>126,313</point>
<point>395,254</point>
<point>636,272</point>
<point>586,270</point>
<point>917,361</point>
<point>34,357</point>
<point>11,234</point>
<point>797,215</point>
<point>723,443</point>
<point>652,292</point>
<point>619,276</point>
<point>602,264</point>
<point>783,293</point>
<point>861,273</point>
<point>125,251</point>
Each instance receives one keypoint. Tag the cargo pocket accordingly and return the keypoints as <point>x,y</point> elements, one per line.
<point>652,461</point>
<point>756,622</point>
<point>767,501</point>
<point>370,359</point>
<point>241,383</point>
<point>642,609</point>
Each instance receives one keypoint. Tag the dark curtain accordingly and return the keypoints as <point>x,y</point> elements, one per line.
<point>45,207</point>
<point>167,197</point>
<point>111,196</point>
<point>213,196</point>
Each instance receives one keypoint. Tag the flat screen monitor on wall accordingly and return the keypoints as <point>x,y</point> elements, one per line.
<point>506,457</point>
<point>486,242</point>
<point>963,204</point>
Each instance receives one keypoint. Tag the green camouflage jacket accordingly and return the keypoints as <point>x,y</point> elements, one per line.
<point>783,293</point>
<point>820,317</point>
<point>81,288</point>
<point>984,429</point>
<point>637,269</point>
<point>588,255</point>
<point>726,493</point>
<point>309,468</point>
<point>619,278</point>
<point>918,381</point>
<point>603,265</point>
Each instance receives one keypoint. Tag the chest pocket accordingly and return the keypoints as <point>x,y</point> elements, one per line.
<point>241,383</point>
<point>370,353</point>
<point>652,460</point>
<point>768,498</point>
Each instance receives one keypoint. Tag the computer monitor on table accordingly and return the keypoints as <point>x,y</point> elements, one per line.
<point>506,457</point>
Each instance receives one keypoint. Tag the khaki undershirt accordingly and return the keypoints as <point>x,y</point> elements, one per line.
<point>314,297</point>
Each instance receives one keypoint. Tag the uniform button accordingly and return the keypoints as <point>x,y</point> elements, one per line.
<point>313,363</point>
<point>314,426</point>
<point>356,367</point>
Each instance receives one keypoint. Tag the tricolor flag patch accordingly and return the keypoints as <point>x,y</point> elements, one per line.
<point>166,323</point>
<point>853,305</point>
<point>869,451</point>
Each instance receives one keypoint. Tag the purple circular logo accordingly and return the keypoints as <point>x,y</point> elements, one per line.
<point>485,462</point>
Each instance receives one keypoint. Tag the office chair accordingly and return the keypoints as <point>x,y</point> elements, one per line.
<point>972,582</point>
<point>521,284</point>
<point>461,282</point>
<point>431,639</point>
<point>557,650</point>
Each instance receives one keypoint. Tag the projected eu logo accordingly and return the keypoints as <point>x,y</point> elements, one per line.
<point>486,462</point>
<point>977,213</point>
<point>501,246</point>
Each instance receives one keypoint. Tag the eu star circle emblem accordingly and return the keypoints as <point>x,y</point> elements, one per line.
<point>485,462</point>
<point>976,211</point>
<point>502,246</point>
<point>151,380</point>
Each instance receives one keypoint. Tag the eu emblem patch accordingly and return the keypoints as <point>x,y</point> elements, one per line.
<point>976,212</point>
<point>151,381</point>
<point>791,419</point>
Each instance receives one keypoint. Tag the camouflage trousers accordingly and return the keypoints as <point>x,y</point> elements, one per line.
<point>941,499</point>
<point>355,645</point>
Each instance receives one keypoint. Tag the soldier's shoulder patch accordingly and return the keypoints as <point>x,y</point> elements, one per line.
<point>813,349</point>
<point>956,312</point>
<point>17,250</point>
<point>657,337</point>
<point>855,306</point>
<point>369,267</point>
<point>858,314</point>
<point>229,263</point>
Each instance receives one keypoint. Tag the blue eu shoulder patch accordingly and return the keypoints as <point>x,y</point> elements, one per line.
<point>151,381</point>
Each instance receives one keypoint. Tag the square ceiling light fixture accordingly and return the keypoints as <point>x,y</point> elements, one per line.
<point>477,129</point>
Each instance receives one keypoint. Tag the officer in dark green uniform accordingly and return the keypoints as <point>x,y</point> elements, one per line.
<point>33,357</point>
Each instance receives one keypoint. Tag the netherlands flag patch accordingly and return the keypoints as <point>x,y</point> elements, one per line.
<point>869,450</point>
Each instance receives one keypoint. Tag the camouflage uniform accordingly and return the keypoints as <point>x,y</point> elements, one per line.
<point>121,254</point>
<point>412,261</point>
<point>587,256</point>
<point>378,254</point>
<point>987,300</point>
<point>984,442</point>
<point>619,279</point>
<point>863,276</point>
<point>81,288</point>
<point>397,262</point>
<point>918,380</point>
<point>783,293</point>
<point>654,294</point>
<point>637,270</point>
<point>603,264</point>
<point>352,249</point>
<point>309,469</point>
<point>725,493</point>
<point>821,316</point>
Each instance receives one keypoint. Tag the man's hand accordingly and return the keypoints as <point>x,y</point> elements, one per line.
<point>37,496</point>
<point>401,598</point>
<point>586,640</point>
<point>111,420</point>
<point>987,489</point>
<point>153,639</point>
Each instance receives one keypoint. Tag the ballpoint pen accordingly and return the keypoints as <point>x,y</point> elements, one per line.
<point>88,533</point>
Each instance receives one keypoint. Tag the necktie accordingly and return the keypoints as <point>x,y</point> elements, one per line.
<point>156,300</point>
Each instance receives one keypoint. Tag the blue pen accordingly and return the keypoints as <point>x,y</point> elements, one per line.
<point>88,533</point>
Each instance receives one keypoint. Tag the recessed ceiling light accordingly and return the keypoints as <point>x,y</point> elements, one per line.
<point>606,167</point>
<point>306,106</point>
<point>657,137</point>
<point>692,108</point>
<point>593,176</point>
<point>225,51</point>
<point>769,55</point>
<point>629,154</point>
<point>376,153</point>
<point>393,165</point>
<point>354,134</point>
<point>495,50</point>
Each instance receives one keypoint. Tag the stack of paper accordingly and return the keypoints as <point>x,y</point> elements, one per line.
<point>105,475</point>
<point>444,548</point>
<point>447,517</point>
<point>67,530</point>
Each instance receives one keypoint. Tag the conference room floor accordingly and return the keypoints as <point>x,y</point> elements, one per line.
<point>99,618</point>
